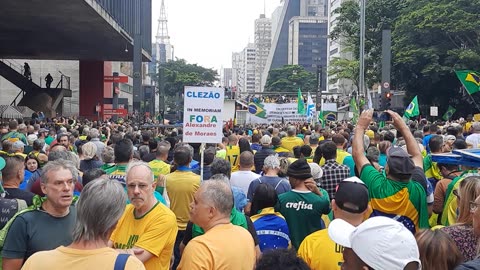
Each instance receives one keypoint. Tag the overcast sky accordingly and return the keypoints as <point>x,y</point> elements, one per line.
<point>206,32</point>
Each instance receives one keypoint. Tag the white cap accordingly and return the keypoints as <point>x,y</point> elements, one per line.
<point>381,242</point>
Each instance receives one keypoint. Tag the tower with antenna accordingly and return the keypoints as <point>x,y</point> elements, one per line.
<point>163,48</point>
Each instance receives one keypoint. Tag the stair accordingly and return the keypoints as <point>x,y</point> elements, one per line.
<point>32,95</point>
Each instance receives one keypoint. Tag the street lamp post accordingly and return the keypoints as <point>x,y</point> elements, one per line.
<point>361,89</point>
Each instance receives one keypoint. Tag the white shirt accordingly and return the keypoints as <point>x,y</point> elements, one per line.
<point>474,140</point>
<point>242,179</point>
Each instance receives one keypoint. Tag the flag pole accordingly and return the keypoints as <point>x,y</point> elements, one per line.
<point>473,100</point>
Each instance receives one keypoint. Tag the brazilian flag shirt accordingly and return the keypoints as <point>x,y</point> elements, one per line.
<point>449,214</point>
<point>405,202</point>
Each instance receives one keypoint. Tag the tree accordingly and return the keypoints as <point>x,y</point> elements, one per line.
<point>289,78</point>
<point>380,14</point>
<point>178,74</point>
<point>342,68</point>
<point>432,39</point>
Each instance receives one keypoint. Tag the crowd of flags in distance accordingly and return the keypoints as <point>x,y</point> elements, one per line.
<point>469,79</point>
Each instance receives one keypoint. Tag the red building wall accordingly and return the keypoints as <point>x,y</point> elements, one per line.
<point>92,88</point>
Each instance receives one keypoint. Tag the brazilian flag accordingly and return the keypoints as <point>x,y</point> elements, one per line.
<point>321,119</point>
<point>470,80</point>
<point>448,114</point>
<point>257,110</point>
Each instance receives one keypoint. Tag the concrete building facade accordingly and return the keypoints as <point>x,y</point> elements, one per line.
<point>263,42</point>
<point>336,49</point>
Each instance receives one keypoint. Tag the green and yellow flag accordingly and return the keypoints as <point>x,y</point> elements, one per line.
<point>448,114</point>
<point>470,80</point>
<point>300,103</point>
<point>257,110</point>
<point>412,109</point>
<point>321,119</point>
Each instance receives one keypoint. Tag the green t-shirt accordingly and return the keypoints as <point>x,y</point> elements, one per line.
<point>404,201</point>
<point>49,140</point>
<point>303,212</point>
<point>14,136</point>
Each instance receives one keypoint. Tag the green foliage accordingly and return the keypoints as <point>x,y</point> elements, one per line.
<point>379,15</point>
<point>432,39</point>
<point>178,74</point>
<point>289,78</point>
<point>341,68</point>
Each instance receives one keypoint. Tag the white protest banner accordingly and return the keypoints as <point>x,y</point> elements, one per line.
<point>433,111</point>
<point>286,112</point>
<point>202,118</point>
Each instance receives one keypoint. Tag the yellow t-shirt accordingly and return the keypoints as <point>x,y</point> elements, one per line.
<point>180,186</point>
<point>159,167</point>
<point>341,155</point>
<point>73,259</point>
<point>224,247</point>
<point>233,156</point>
<point>320,252</point>
<point>290,142</point>
<point>154,232</point>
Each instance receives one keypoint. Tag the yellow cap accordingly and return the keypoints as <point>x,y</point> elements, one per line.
<point>370,134</point>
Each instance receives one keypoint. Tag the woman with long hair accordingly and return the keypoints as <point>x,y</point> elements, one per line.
<point>437,250</point>
<point>274,228</point>
<point>462,232</point>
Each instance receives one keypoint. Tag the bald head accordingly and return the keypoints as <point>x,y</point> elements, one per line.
<point>246,160</point>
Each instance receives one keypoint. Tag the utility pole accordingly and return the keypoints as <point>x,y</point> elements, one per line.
<point>361,90</point>
<point>319,87</point>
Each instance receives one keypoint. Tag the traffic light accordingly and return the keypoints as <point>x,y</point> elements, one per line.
<point>388,100</point>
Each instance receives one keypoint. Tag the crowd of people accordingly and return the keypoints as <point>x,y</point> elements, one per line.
<point>105,195</point>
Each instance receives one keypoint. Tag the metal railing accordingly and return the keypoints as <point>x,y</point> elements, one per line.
<point>64,82</point>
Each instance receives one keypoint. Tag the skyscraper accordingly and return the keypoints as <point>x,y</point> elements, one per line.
<point>243,69</point>
<point>336,49</point>
<point>279,52</point>
<point>307,44</point>
<point>263,41</point>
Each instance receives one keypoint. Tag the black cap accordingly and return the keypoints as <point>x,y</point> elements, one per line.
<point>399,161</point>
<point>352,195</point>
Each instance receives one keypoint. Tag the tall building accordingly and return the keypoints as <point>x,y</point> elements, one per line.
<point>279,52</point>
<point>237,64</point>
<point>263,41</point>
<point>227,77</point>
<point>243,65</point>
<point>336,49</point>
<point>307,43</point>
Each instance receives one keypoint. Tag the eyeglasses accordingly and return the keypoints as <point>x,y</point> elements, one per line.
<point>474,206</point>
<point>140,186</point>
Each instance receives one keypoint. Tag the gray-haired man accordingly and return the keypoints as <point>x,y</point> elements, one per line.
<point>54,217</point>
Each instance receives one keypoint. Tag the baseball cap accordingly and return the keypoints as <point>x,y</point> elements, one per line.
<point>449,138</point>
<point>266,140</point>
<point>380,242</point>
<point>317,171</point>
<point>31,138</point>
<point>18,144</point>
<point>352,195</point>
<point>399,161</point>
<point>42,130</point>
